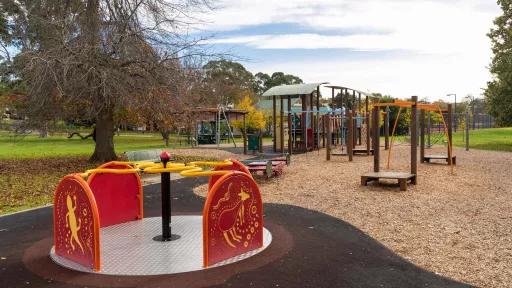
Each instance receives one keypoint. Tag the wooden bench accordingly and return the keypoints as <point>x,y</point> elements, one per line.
<point>402,178</point>
<point>271,156</point>
<point>267,168</point>
<point>428,158</point>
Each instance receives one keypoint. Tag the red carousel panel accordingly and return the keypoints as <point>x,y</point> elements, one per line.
<point>232,218</point>
<point>118,196</point>
<point>237,166</point>
<point>76,222</point>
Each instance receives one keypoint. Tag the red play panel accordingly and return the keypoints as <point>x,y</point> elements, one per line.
<point>118,196</point>
<point>76,222</point>
<point>237,166</point>
<point>232,218</point>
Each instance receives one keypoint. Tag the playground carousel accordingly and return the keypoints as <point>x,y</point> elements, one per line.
<point>99,224</point>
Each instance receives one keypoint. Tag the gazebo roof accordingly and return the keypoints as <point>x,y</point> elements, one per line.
<point>292,90</point>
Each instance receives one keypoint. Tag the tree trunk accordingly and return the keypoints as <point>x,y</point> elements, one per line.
<point>165,136</point>
<point>43,131</point>
<point>104,149</point>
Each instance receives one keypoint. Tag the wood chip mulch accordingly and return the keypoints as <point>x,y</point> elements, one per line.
<point>458,226</point>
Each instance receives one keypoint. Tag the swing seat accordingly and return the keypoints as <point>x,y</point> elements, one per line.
<point>401,177</point>
<point>357,151</point>
<point>429,158</point>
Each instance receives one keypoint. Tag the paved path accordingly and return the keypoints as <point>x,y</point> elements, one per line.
<point>309,249</point>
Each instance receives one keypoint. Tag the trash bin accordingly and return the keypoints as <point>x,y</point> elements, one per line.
<point>254,142</point>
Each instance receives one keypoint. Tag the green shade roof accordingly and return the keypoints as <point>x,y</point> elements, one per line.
<point>292,90</point>
<point>267,105</point>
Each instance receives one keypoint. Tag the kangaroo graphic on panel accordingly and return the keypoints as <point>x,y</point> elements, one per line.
<point>72,223</point>
<point>229,217</point>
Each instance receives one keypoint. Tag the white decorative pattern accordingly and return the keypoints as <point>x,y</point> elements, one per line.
<point>129,248</point>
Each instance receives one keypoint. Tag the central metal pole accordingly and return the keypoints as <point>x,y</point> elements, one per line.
<point>166,201</point>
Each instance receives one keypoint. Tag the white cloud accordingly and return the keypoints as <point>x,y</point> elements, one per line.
<point>426,76</point>
<point>448,36</point>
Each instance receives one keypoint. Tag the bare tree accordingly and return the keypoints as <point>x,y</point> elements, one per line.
<point>91,58</point>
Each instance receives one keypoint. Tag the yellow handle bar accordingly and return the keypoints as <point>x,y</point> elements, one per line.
<point>198,171</point>
<point>191,169</point>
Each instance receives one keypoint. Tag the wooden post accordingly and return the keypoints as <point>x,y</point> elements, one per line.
<point>304,122</point>
<point>290,126</point>
<point>261,141</point>
<point>422,136</point>
<point>245,137</point>
<point>467,130</point>
<point>274,123</point>
<point>386,130</point>
<point>327,123</point>
<point>353,100</point>
<point>354,132</point>
<point>312,120</point>
<point>366,104</point>
<point>332,100</point>
<point>318,118</point>
<point>350,140</point>
<point>281,128</point>
<point>359,103</point>
<point>450,117</point>
<point>376,139</point>
<point>341,97</point>
<point>323,130</point>
<point>429,129</point>
<point>414,138</point>
<point>368,133</point>
<point>337,134</point>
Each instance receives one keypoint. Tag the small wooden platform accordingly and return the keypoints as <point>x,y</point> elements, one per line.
<point>402,178</point>
<point>271,156</point>
<point>267,168</point>
<point>429,158</point>
<point>361,151</point>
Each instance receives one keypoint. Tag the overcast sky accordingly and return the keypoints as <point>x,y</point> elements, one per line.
<point>427,48</point>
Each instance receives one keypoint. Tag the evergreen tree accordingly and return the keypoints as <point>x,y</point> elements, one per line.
<point>498,94</point>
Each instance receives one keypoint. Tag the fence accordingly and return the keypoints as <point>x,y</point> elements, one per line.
<point>462,124</point>
<point>475,121</point>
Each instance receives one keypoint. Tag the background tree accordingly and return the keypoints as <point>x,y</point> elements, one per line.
<point>226,82</point>
<point>89,59</point>
<point>171,109</point>
<point>255,120</point>
<point>498,94</point>
<point>263,82</point>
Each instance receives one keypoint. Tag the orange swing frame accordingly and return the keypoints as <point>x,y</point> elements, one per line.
<point>426,107</point>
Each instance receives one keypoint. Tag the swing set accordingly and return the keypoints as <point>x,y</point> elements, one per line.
<point>403,177</point>
<point>430,108</point>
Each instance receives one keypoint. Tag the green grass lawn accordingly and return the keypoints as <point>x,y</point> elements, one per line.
<point>59,145</point>
<point>26,183</point>
<point>498,139</point>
